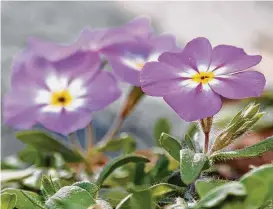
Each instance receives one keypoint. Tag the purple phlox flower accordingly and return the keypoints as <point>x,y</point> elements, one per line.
<point>104,41</point>
<point>192,82</point>
<point>58,95</point>
<point>128,64</point>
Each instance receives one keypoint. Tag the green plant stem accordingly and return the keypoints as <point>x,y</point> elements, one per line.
<point>73,139</point>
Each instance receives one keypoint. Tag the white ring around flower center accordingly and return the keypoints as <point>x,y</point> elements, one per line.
<point>56,84</point>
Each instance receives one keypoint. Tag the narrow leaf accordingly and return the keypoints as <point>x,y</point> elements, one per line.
<point>188,143</point>
<point>47,187</point>
<point>119,161</point>
<point>44,143</point>
<point>89,187</point>
<point>191,165</point>
<point>35,201</point>
<point>162,125</point>
<point>171,145</point>
<point>204,186</point>
<point>8,201</point>
<point>215,196</point>
<point>248,152</point>
<point>142,200</point>
<point>22,201</point>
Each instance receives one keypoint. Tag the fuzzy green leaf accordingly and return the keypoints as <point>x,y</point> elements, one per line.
<point>217,195</point>
<point>70,195</point>
<point>162,125</point>
<point>171,145</point>
<point>89,187</point>
<point>204,186</point>
<point>142,200</point>
<point>191,165</point>
<point>117,162</point>
<point>24,202</point>
<point>44,143</point>
<point>188,143</point>
<point>248,152</point>
<point>258,184</point>
<point>8,201</point>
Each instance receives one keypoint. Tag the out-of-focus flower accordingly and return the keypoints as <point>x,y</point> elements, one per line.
<point>105,41</point>
<point>128,64</point>
<point>193,81</point>
<point>58,95</point>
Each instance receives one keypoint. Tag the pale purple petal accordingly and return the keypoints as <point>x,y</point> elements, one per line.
<point>192,104</point>
<point>198,53</point>
<point>102,91</point>
<point>65,122</point>
<point>164,43</point>
<point>140,27</point>
<point>229,59</point>
<point>19,109</point>
<point>158,79</point>
<point>84,64</point>
<point>240,85</point>
<point>50,50</point>
<point>177,60</point>
<point>124,72</point>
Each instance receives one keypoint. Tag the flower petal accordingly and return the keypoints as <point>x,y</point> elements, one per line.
<point>65,122</point>
<point>158,79</point>
<point>240,85</point>
<point>50,50</point>
<point>229,59</point>
<point>84,64</point>
<point>19,109</point>
<point>193,104</point>
<point>140,27</point>
<point>198,53</point>
<point>102,91</point>
<point>164,43</point>
<point>124,72</point>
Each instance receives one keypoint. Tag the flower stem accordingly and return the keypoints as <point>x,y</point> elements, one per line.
<point>73,139</point>
<point>89,138</point>
<point>206,145</point>
<point>206,124</point>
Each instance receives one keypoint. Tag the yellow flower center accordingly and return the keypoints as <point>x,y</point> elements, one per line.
<point>140,65</point>
<point>203,77</point>
<point>61,98</point>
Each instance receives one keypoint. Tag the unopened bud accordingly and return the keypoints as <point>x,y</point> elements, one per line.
<point>251,111</point>
<point>206,124</point>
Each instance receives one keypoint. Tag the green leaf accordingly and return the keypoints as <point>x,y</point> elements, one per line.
<point>47,187</point>
<point>44,143</point>
<point>171,145</point>
<point>113,195</point>
<point>204,186</point>
<point>142,200</point>
<point>191,165</point>
<point>162,125</point>
<point>117,162</point>
<point>248,152</point>
<point>8,201</point>
<point>188,143</point>
<point>29,154</point>
<point>89,187</point>
<point>35,201</point>
<point>258,184</point>
<point>70,195</point>
<point>22,201</point>
<point>125,143</point>
<point>217,195</point>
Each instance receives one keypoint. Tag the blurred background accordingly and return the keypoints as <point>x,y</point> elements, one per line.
<point>245,24</point>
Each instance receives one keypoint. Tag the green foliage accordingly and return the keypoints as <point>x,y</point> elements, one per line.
<point>204,186</point>
<point>125,143</point>
<point>48,187</point>
<point>8,201</point>
<point>119,161</point>
<point>70,195</point>
<point>24,198</point>
<point>89,187</point>
<point>191,165</point>
<point>171,145</point>
<point>247,152</point>
<point>218,194</point>
<point>44,143</point>
<point>163,125</point>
